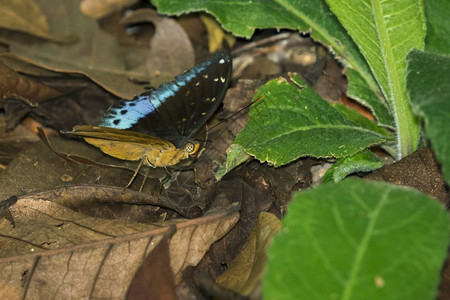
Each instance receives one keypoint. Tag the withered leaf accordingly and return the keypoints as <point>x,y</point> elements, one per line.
<point>99,8</point>
<point>155,279</point>
<point>14,84</point>
<point>35,23</point>
<point>171,51</point>
<point>56,252</point>
<point>96,54</point>
<point>246,270</point>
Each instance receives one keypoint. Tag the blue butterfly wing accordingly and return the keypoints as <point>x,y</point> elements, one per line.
<point>178,109</point>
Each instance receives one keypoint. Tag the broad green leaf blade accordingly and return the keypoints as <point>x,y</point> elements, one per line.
<point>358,240</point>
<point>356,118</point>
<point>243,17</point>
<point>363,161</point>
<point>235,156</point>
<point>358,90</point>
<point>438,26</point>
<point>429,88</point>
<point>385,31</point>
<point>293,121</point>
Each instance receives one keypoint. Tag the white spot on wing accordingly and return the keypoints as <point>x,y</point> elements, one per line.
<point>222,61</point>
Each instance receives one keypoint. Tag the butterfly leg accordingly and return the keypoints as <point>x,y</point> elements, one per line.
<point>136,172</point>
<point>144,180</point>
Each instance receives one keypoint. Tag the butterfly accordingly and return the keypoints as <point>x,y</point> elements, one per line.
<point>159,127</point>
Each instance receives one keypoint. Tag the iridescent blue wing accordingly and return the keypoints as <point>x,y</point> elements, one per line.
<point>176,109</point>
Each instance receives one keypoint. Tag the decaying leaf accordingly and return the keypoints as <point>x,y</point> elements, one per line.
<point>100,8</point>
<point>216,34</point>
<point>246,270</point>
<point>54,251</point>
<point>171,51</point>
<point>96,54</point>
<point>154,279</point>
<point>16,85</point>
<point>35,23</point>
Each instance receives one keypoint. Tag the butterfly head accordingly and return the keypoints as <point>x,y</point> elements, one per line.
<point>191,147</point>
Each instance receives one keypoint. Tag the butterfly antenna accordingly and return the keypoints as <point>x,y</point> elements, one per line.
<point>236,113</point>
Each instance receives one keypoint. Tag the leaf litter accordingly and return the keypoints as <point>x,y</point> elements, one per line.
<point>75,229</point>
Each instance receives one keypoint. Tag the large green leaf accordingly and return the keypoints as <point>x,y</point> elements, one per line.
<point>358,240</point>
<point>293,121</point>
<point>385,31</point>
<point>429,88</point>
<point>243,17</point>
<point>438,26</point>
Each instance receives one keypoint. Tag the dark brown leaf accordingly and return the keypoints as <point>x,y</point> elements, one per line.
<point>171,51</point>
<point>96,54</point>
<point>56,251</point>
<point>154,279</point>
<point>35,23</point>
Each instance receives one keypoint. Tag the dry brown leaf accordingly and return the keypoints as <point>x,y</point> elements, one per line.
<point>16,85</point>
<point>246,270</point>
<point>11,142</point>
<point>171,51</point>
<point>96,54</point>
<point>35,22</point>
<point>216,35</point>
<point>54,252</point>
<point>100,8</point>
<point>154,279</point>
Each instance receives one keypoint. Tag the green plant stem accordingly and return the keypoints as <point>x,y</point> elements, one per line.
<point>407,125</point>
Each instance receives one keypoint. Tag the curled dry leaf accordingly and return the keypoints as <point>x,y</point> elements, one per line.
<point>14,84</point>
<point>21,94</point>
<point>35,23</point>
<point>155,279</point>
<point>216,35</point>
<point>95,54</point>
<point>171,51</point>
<point>100,8</point>
<point>55,252</point>
<point>246,270</point>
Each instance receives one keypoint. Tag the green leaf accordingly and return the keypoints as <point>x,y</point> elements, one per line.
<point>358,240</point>
<point>438,26</point>
<point>293,121</point>
<point>385,31</point>
<point>359,91</point>
<point>363,161</point>
<point>243,17</point>
<point>429,88</point>
<point>356,118</point>
<point>235,156</point>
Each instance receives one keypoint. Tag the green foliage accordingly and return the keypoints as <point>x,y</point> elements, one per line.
<point>438,26</point>
<point>243,17</point>
<point>358,240</point>
<point>354,239</point>
<point>292,121</point>
<point>385,32</point>
<point>362,161</point>
<point>429,88</point>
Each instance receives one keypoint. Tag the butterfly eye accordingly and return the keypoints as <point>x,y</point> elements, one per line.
<point>191,147</point>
